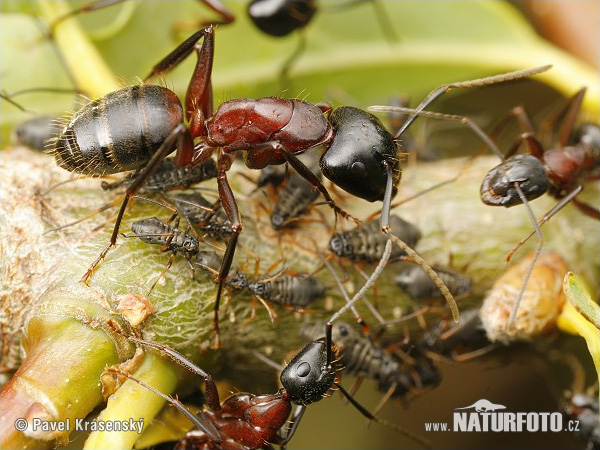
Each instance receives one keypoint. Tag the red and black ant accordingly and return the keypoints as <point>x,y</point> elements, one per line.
<point>560,171</point>
<point>136,127</point>
<point>246,421</point>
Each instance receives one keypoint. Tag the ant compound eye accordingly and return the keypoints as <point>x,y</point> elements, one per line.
<point>303,369</point>
<point>359,169</point>
<point>343,330</point>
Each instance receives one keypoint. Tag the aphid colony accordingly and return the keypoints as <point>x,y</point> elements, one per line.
<point>295,144</point>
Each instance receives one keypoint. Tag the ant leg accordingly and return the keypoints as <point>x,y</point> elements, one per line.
<point>229,204</point>
<point>560,205</point>
<point>212,395</point>
<point>307,174</point>
<point>462,119</point>
<point>200,421</point>
<point>284,73</point>
<point>538,250</point>
<point>293,426</point>
<point>495,79</point>
<point>180,138</point>
<point>385,228</point>
<point>570,117</point>
<point>82,10</point>
<point>370,416</point>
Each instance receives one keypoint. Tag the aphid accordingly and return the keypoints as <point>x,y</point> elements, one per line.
<point>269,130</point>
<point>203,216</point>
<point>418,285</point>
<point>284,289</point>
<point>294,197</point>
<point>560,171</point>
<point>362,357</point>
<point>36,133</point>
<point>246,421</point>
<point>460,341</point>
<point>170,176</point>
<point>366,243</point>
<point>156,232</point>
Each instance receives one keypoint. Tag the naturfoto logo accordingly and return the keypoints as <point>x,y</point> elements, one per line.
<point>488,416</point>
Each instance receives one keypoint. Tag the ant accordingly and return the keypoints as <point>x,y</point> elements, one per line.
<point>111,135</point>
<point>276,18</point>
<point>363,357</point>
<point>247,421</point>
<point>560,171</point>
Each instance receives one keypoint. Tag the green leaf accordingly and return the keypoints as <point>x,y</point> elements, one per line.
<point>348,58</point>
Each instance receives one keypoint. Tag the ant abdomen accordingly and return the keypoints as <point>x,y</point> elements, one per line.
<point>118,132</point>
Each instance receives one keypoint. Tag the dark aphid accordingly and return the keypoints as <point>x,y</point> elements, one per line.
<point>288,290</point>
<point>366,242</point>
<point>294,197</point>
<point>156,232</point>
<point>203,216</point>
<point>419,286</point>
<point>169,176</point>
<point>37,133</point>
<point>273,175</point>
<point>282,289</point>
<point>451,339</point>
<point>362,357</point>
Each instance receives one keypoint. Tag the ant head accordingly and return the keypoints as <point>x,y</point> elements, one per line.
<point>306,378</point>
<point>281,17</point>
<point>355,158</point>
<point>498,187</point>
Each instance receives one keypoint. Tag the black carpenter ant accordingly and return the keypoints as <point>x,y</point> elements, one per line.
<point>247,421</point>
<point>364,358</point>
<point>360,155</point>
<point>418,285</point>
<point>560,171</point>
